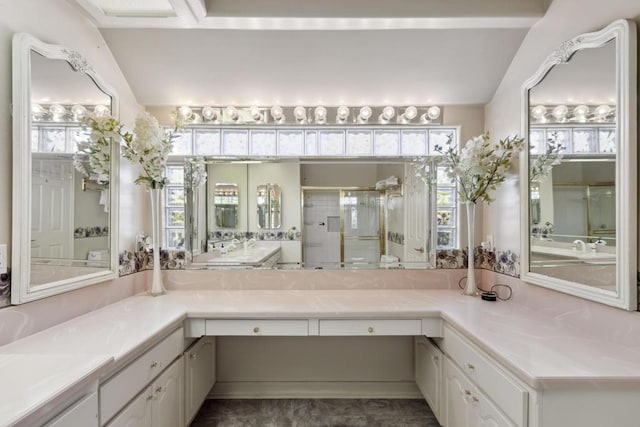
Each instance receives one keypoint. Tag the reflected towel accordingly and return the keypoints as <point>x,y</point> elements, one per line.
<point>104,199</point>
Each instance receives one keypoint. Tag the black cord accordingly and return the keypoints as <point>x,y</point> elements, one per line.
<point>492,290</point>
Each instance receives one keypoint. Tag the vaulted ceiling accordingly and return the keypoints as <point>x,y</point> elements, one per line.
<point>375,52</point>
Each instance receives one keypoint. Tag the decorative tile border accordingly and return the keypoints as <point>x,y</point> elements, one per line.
<point>258,235</point>
<point>91,231</point>
<point>5,288</point>
<point>506,262</point>
<point>394,237</point>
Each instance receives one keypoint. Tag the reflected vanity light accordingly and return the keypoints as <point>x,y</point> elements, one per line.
<point>37,109</point>
<point>210,113</point>
<point>101,110</point>
<point>320,114</point>
<point>256,114</point>
<point>580,113</point>
<point>409,114</point>
<point>560,112</point>
<point>539,112</point>
<point>602,111</point>
<point>185,112</point>
<point>365,114</point>
<point>300,113</point>
<point>277,113</point>
<point>342,113</point>
<point>231,113</point>
<point>79,112</point>
<point>387,114</point>
<point>57,112</point>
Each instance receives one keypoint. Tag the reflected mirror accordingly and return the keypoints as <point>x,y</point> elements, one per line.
<point>225,199</point>
<point>64,196</point>
<point>269,202</point>
<point>580,182</point>
<point>322,214</point>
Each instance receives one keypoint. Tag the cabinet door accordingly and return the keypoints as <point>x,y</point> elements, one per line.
<point>484,413</point>
<point>167,408</point>
<point>428,371</point>
<point>137,413</point>
<point>200,375</point>
<point>458,391</point>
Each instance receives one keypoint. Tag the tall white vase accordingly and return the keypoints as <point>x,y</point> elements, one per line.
<point>156,286</point>
<point>470,288</point>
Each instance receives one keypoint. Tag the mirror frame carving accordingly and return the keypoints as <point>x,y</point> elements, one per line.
<point>624,33</point>
<point>21,290</point>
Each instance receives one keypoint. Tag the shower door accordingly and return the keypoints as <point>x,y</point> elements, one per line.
<point>361,214</point>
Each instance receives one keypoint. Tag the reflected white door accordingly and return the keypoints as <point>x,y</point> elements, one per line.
<point>415,218</point>
<point>51,208</point>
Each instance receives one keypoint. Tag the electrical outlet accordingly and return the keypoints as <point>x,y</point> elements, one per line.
<point>3,259</point>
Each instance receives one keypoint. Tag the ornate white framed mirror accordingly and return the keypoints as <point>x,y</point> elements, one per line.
<point>578,174</point>
<point>65,200</point>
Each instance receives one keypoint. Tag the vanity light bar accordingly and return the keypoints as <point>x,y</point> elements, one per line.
<point>62,113</point>
<point>319,115</point>
<point>568,114</point>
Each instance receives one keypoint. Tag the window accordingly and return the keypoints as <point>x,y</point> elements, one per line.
<point>174,213</point>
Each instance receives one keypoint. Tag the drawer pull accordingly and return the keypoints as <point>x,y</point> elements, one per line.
<point>470,367</point>
<point>154,364</point>
<point>256,330</point>
<point>436,358</point>
<point>193,356</point>
<point>475,399</point>
<point>467,392</point>
<point>159,389</point>
<point>370,330</point>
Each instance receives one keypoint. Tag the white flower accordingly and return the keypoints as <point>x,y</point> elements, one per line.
<point>479,167</point>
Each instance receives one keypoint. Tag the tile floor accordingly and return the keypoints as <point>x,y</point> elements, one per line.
<point>315,413</point>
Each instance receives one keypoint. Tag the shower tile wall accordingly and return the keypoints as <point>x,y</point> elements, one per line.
<point>322,239</point>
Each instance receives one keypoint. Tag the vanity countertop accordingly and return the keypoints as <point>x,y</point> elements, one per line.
<point>586,345</point>
<point>31,381</point>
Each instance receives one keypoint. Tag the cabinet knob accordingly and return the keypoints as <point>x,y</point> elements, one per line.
<point>370,329</point>
<point>470,367</point>
<point>150,397</point>
<point>154,364</point>
<point>159,389</point>
<point>256,330</point>
<point>467,392</point>
<point>193,356</point>
<point>436,358</point>
<point>475,399</point>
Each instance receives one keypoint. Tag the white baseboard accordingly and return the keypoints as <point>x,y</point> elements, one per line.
<point>315,390</point>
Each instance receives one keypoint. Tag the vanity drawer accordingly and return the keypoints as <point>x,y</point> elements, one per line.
<point>350,327</point>
<point>122,387</point>
<point>257,327</point>
<point>487,375</point>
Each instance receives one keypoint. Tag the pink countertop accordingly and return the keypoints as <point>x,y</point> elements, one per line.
<point>561,344</point>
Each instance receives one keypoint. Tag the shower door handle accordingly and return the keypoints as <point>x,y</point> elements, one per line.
<point>420,249</point>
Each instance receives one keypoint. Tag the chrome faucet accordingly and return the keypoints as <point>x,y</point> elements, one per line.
<point>581,244</point>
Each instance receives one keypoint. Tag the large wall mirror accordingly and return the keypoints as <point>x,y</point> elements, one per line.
<point>315,213</point>
<point>579,179</point>
<point>64,199</point>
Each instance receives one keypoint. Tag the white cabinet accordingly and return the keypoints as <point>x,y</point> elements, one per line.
<point>475,381</point>
<point>466,405</point>
<point>428,373</point>
<point>200,375</point>
<point>82,413</point>
<point>161,404</point>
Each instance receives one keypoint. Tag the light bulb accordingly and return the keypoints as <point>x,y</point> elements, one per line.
<point>409,114</point>
<point>209,113</point>
<point>387,114</point>
<point>538,112</point>
<point>433,112</point>
<point>256,115</point>
<point>231,112</point>
<point>602,111</point>
<point>342,113</point>
<point>79,112</point>
<point>580,112</point>
<point>320,114</point>
<point>300,113</point>
<point>57,111</point>
<point>364,114</point>
<point>186,112</point>
<point>277,113</point>
<point>560,112</point>
<point>37,109</point>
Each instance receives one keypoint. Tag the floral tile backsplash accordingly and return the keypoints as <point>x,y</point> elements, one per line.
<point>5,288</point>
<point>395,237</point>
<point>91,231</point>
<point>506,262</point>
<point>268,235</point>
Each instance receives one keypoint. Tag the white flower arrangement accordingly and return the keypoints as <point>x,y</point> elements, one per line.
<point>92,157</point>
<point>196,175</point>
<point>541,165</point>
<point>478,168</point>
<point>148,145</point>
